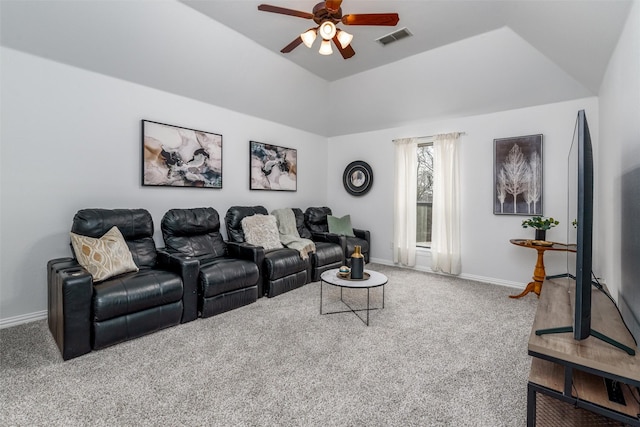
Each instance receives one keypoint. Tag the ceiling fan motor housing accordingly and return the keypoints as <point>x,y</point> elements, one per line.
<point>321,14</point>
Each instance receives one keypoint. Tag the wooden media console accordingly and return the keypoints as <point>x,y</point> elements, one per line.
<point>574,371</point>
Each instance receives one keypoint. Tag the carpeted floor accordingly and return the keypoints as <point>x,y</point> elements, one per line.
<point>443,352</point>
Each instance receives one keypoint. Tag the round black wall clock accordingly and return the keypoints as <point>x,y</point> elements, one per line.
<point>357,178</point>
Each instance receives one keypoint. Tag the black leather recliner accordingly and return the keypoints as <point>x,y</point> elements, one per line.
<point>315,218</point>
<point>85,316</point>
<point>328,254</point>
<point>281,269</point>
<point>225,280</point>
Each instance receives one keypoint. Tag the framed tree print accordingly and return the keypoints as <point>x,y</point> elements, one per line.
<point>517,175</point>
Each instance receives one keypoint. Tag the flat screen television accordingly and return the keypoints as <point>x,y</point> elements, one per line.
<point>580,234</point>
<point>580,223</point>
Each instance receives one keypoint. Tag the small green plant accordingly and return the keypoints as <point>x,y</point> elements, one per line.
<point>540,223</point>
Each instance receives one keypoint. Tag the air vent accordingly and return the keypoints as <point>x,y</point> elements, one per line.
<point>395,36</point>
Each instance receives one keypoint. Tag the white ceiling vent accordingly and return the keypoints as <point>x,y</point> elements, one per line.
<point>395,36</point>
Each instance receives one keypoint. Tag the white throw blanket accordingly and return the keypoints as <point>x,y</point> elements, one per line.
<point>289,235</point>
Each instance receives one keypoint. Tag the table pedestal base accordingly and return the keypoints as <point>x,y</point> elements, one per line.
<point>531,287</point>
<point>539,275</point>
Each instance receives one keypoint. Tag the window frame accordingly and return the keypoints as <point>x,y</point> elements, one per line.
<point>428,141</point>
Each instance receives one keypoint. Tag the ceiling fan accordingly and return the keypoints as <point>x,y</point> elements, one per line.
<point>327,14</point>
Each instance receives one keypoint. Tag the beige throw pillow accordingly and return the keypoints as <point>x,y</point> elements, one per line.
<point>105,257</point>
<point>261,230</point>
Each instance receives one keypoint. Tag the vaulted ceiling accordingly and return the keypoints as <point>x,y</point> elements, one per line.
<point>464,57</point>
<point>577,34</point>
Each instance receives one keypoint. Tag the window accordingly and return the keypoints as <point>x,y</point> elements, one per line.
<point>424,194</point>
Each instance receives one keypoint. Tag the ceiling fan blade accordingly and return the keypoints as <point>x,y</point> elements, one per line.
<point>294,44</point>
<point>332,5</point>
<point>285,11</point>
<point>346,52</point>
<point>388,19</point>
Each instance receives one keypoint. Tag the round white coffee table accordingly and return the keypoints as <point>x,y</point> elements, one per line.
<point>372,279</point>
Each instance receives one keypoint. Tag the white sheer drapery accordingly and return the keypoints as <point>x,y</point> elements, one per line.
<point>445,229</point>
<point>404,203</point>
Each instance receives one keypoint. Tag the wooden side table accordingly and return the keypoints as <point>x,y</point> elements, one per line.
<point>539,273</point>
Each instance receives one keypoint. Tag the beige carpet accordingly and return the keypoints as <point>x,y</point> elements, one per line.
<point>443,352</point>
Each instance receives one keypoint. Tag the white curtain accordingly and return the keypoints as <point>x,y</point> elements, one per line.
<point>445,229</point>
<point>404,204</point>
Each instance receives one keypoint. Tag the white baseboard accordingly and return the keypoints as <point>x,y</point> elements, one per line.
<point>491,280</point>
<point>23,318</point>
<point>494,281</point>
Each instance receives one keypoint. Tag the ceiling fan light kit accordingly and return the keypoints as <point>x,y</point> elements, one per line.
<point>327,30</point>
<point>308,37</point>
<point>327,14</point>
<point>325,48</point>
<point>344,38</point>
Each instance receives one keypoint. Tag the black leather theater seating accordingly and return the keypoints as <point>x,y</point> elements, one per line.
<point>282,269</point>
<point>328,254</point>
<point>315,218</point>
<point>85,316</point>
<point>225,280</point>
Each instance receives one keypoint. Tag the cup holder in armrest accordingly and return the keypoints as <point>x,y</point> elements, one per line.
<point>75,272</point>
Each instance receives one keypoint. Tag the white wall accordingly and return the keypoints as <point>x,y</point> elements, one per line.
<point>71,139</point>
<point>459,79</point>
<point>620,157</point>
<point>486,251</point>
<point>169,46</point>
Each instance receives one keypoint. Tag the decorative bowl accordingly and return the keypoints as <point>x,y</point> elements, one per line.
<point>344,272</point>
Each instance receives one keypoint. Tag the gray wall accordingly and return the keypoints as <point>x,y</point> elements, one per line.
<point>71,139</point>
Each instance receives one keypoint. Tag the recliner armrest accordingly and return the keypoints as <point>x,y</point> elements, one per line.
<point>188,268</point>
<point>362,234</point>
<point>329,237</point>
<point>249,252</point>
<point>246,251</point>
<point>365,235</point>
<point>69,314</point>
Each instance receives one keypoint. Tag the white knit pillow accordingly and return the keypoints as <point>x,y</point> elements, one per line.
<point>261,230</point>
